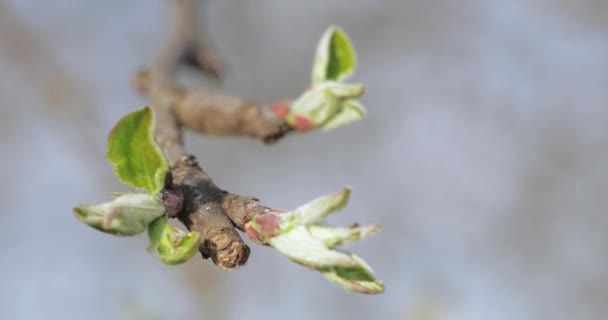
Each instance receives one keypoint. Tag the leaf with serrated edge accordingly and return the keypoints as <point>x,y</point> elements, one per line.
<point>171,245</point>
<point>126,215</point>
<point>335,57</point>
<point>351,111</point>
<point>138,160</point>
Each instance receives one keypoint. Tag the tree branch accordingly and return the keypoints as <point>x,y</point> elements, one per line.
<point>206,209</point>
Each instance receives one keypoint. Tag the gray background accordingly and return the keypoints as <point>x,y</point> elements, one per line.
<point>483,156</point>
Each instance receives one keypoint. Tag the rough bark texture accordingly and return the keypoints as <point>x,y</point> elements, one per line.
<point>206,209</point>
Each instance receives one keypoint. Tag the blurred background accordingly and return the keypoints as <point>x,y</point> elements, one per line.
<point>483,155</point>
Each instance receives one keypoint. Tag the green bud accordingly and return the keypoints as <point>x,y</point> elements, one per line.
<point>125,215</point>
<point>296,235</point>
<point>171,245</point>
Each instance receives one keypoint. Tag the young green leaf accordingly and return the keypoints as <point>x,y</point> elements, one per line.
<point>138,160</point>
<point>313,108</point>
<point>327,106</point>
<point>328,103</point>
<point>342,268</point>
<point>170,244</point>
<point>358,279</point>
<point>335,57</point>
<point>332,237</point>
<point>126,215</point>
<point>296,235</point>
<point>342,90</point>
<point>350,111</point>
<point>318,208</point>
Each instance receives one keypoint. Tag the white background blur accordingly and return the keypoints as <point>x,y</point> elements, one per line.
<point>483,155</point>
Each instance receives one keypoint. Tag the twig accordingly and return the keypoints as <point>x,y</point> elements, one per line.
<point>206,209</point>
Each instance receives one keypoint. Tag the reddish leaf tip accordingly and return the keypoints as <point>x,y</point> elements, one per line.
<point>253,234</point>
<point>303,124</point>
<point>280,108</point>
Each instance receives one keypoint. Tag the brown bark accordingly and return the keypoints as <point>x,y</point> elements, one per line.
<point>206,209</point>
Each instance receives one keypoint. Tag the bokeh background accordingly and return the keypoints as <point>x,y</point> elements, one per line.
<point>483,155</point>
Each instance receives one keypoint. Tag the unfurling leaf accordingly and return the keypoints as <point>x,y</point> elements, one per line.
<point>319,208</point>
<point>327,106</point>
<point>125,215</point>
<point>358,279</point>
<point>351,111</point>
<point>335,57</point>
<point>313,108</point>
<point>297,235</point>
<point>342,268</point>
<point>328,103</point>
<point>170,244</point>
<point>137,158</point>
<point>342,90</point>
<point>332,237</point>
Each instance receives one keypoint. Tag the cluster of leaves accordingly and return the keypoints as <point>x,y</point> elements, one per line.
<point>139,163</point>
<point>329,102</point>
<point>302,237</point>
<point>300,234</point>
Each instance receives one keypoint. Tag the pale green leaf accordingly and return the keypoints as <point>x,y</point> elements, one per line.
<point>332,237</point>
<point>359,279</point>
<point>341,90</point>
<point>300,247</point>
<point>335,57</point>
<point>171,245</point>
<point>318,209</point>
<point>341,268</point>
<point>328,106</point>
<point>317,106</point>
<point>125,215</point>
<point>138,160</point>
<point>304,242</point>
<point>350,112</point>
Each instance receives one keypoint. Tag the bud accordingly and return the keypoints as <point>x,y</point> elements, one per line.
<point>171,245</point>
<point>327,105</point>
<point>341,268</point>
<point>315,107</point>
<point>296,235</point>
<point>173,202</point>
<point>126,215</point>
<point>350,112</point>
